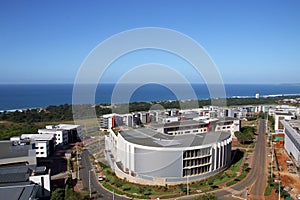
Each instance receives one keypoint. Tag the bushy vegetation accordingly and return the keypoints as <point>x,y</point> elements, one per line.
<point>7,130</point>
<point>68,193</point>
<point>245,135</point>
<point>244,173</point>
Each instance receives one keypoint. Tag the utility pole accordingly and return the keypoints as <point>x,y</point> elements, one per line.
<point>77,163</point>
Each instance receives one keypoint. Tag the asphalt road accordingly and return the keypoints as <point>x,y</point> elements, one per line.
<point>256,181</point>
<point>258,188</point>
<point>96,188</point>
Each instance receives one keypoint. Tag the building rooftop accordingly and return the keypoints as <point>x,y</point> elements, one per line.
<point>67,126</point>
<point>149,137</point>
<point>14,174</point>
<point>283,113</point>
<point>45,130</point>
<point>295,124</point>
<point>38,137</point>
<point>19,192</point>
<point>10,151</point>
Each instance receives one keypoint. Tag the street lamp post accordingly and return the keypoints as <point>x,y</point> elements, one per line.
<point>187,186</point>
<point>90,182</point>
<point>279,190</point>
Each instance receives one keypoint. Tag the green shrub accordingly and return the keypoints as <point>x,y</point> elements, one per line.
<point>268,190</point>
<point>148,192</point>
<point>126,187</point>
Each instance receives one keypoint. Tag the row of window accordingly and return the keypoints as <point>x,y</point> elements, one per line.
<point>223,127</point>
<point>196,153</point>
<point>204,130</point>
<point>196,162</point>
<point>39,147</point>
<point>196,171</point>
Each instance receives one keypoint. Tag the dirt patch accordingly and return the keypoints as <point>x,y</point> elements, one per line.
<point>287,172</point>
<point>272,196</point>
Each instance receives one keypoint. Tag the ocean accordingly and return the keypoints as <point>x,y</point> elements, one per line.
<point>23,96</point>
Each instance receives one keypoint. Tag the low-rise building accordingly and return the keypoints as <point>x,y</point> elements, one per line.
<point>44,143</point>
<point>279,116</point>
<point>227,124</point>
<point>61,136</point>
<point>74,131</point>
<point>292,139</point>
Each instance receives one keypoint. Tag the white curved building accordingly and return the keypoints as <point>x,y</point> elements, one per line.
<point>147,157</point>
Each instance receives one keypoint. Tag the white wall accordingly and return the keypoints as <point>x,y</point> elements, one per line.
<point>38,180</point>
<point>42,149</point>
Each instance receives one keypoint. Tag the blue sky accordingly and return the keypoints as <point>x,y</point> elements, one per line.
<point>250,41</point>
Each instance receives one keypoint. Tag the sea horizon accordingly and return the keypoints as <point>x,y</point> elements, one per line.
<point>26,96</point>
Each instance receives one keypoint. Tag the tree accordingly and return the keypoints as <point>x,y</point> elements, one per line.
<point>243,137</point>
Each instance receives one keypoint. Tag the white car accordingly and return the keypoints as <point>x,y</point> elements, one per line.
<point>100,178</point>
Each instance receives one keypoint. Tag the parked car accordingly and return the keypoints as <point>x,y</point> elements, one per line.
<point>100,178</point>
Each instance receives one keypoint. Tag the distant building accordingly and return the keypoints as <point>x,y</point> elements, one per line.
<point>74,131</point>
<point>63,133</point>
<point>181,127</point>
<point>61,136</point>
<point>227,124</point>
<point>279,116</point>
<point>107,122</point>
<point>257,96</point>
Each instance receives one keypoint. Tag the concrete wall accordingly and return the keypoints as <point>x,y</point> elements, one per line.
<point>158,163</point>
